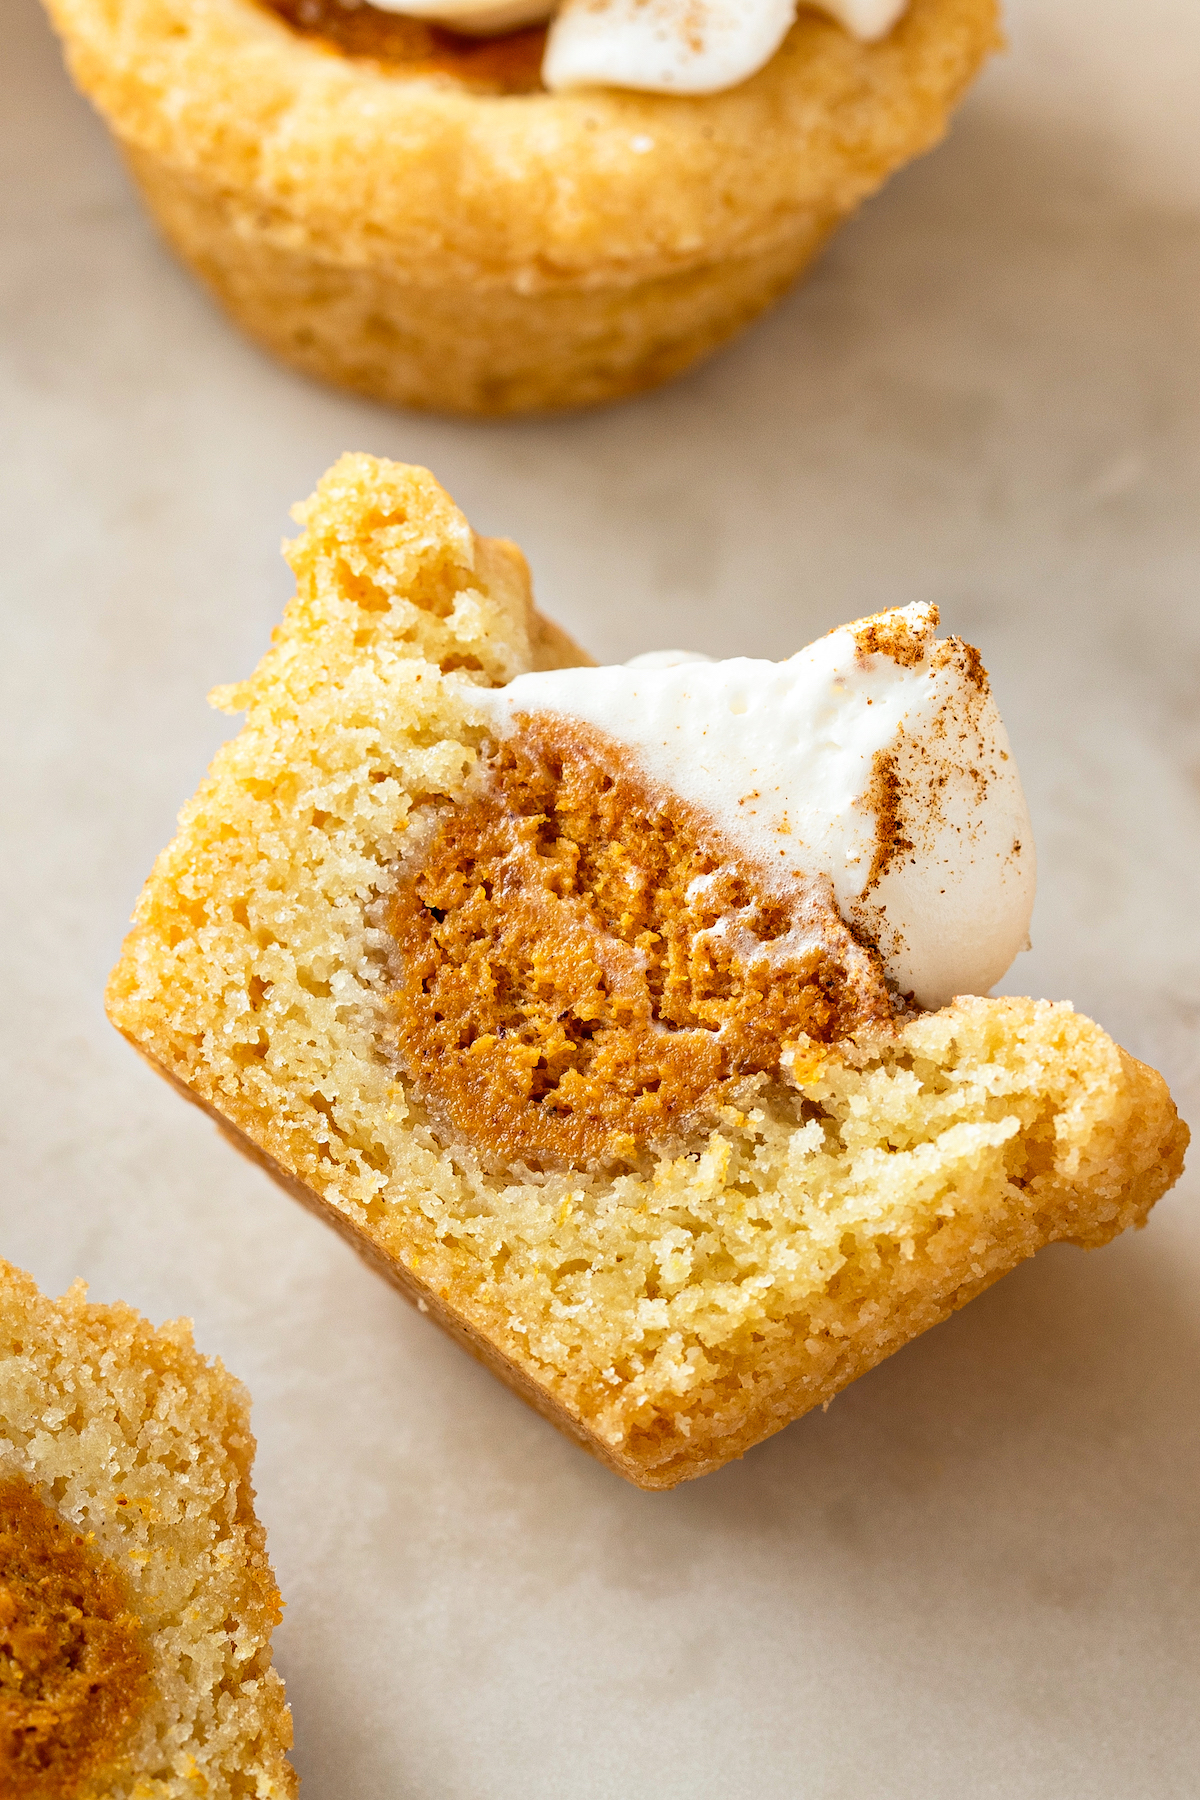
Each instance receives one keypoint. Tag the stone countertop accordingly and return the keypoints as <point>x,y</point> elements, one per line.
<point>977,1573</point>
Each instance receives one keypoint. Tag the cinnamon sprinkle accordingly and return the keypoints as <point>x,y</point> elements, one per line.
<point>885,798</point>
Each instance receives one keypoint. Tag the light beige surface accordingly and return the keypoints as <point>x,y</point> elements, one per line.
<point>978,1572</point>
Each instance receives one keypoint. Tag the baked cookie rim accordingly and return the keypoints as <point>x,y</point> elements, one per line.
<point>311,145</point>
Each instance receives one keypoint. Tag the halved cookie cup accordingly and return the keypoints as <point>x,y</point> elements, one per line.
<point>667,1310</point>
<point>136,1599</point>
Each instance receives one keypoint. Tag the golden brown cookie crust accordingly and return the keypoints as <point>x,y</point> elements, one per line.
<point>673,1315</point>
<point>485,252</point>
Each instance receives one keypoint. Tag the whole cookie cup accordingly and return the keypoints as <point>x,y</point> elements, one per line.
<point>446,234</point>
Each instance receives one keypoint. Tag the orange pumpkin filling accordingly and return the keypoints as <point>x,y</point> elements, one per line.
<point>507,64</point>
<point>583,966</point>
<point>73,1667</point>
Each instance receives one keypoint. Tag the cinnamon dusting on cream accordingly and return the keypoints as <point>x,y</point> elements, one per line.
<point>876,757</point>
<point>885,797</point>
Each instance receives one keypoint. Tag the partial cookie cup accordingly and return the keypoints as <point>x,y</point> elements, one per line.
<point>136,1599</point>
<point>410,235</point>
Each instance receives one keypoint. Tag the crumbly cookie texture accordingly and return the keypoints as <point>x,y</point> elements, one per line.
<point>136,1599</point>
<point>668,1312</point>
<point>407,235</point>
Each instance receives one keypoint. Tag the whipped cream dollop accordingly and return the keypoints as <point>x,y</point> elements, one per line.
<point>658,46</point>
<point>876,757</point>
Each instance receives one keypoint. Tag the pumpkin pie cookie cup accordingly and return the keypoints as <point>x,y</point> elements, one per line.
<point>427,225</point>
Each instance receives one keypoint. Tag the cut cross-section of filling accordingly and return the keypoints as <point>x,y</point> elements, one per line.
<point>73,1668</point>
<point>584,966</point>
<point>587,951</point>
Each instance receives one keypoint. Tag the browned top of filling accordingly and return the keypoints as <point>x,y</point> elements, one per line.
<point>582,966</point>
<point>510,64</point>
<point>73,1667</point>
